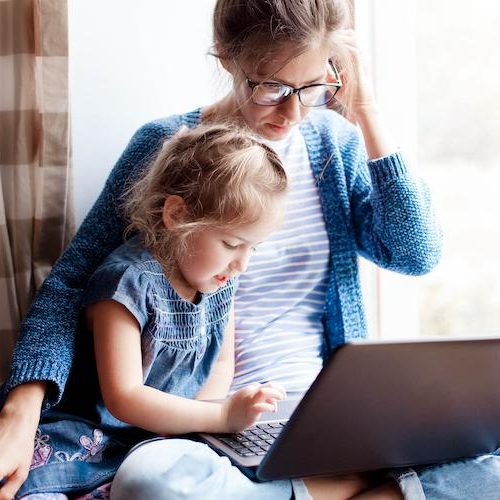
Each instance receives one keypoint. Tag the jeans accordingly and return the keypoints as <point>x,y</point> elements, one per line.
<point>181,469</point>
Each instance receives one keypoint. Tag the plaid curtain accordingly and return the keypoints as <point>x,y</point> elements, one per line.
<point>36,217</point>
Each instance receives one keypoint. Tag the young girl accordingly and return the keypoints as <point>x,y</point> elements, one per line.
<point>160,310</point>
<point>352,194</point>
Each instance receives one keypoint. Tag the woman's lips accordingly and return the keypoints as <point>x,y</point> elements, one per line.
<point>279,127</point>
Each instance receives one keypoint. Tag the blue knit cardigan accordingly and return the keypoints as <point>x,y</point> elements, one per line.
<point>375,209</point>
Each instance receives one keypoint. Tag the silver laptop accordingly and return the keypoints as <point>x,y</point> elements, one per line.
<point>379,405</point>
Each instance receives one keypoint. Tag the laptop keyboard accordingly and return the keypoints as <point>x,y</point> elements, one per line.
<point>254,441</point>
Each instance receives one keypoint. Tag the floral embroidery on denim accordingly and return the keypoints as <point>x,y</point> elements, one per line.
<point>42,450</point>
<point>93,446</point>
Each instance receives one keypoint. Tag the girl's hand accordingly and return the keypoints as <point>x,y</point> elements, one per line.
<point>356,93</point>
<point>244,407</point>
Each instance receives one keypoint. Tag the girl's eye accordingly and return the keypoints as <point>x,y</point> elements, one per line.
<point>229,246</point>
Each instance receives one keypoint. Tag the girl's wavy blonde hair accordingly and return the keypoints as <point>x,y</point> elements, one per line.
<point>225,176</point>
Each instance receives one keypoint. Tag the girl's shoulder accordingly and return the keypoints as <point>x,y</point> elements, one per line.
<point>129,275</point>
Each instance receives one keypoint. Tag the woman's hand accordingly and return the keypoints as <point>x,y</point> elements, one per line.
<point>244,407</point>
<point>356,93</point>
<point>357,98</point>
<point>18,423</point>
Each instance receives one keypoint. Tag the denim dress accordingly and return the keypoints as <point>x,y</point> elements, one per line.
<point>79,444</point>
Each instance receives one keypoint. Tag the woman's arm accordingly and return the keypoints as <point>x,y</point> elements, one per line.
<point>390,209</point>
<point>46,344</point>
<point>222,373</point>
<point>18,423</point>
<point>119,366</point>
<point>360,102</point>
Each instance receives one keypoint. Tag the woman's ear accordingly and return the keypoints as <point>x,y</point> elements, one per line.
<point>224,60</point>
<point>174,211</point>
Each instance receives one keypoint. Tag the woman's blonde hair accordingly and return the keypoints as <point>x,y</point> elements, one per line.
<point>253,32</point>
<point>224,175</point>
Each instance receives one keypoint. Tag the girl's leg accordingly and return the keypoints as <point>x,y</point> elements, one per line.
<point>179,468</point>
<point>354,486</point>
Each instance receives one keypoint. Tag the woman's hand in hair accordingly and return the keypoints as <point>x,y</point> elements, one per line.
<point>357,98</point>
<point>356,94</point>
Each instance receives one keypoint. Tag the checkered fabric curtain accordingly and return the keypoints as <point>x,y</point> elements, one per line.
<point>36,217</point>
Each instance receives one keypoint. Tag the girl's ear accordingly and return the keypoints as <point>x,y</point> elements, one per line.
<point>181,131</point>
<point>174,211</point>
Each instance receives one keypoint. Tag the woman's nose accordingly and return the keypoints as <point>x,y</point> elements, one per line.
<point>290,109</point>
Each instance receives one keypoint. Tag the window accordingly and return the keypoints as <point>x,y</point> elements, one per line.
<point>436,76</point>
<point>458,143</point>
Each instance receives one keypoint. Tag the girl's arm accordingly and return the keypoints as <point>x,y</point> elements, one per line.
<point>119,365</point>
<point>221,376</point>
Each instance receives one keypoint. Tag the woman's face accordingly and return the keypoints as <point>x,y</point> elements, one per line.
<point>275,122</point>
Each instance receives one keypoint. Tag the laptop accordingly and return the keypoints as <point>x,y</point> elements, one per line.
<point>379,405</point>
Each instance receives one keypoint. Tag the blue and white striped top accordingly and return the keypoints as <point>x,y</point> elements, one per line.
<point>280,300</point>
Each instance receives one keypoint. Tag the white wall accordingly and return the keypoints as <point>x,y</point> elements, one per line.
<point>132,62</point>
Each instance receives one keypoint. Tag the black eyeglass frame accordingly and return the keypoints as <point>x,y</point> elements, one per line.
<point>292,90</point>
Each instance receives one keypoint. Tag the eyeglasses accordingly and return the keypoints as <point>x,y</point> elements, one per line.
<point>311,96</point>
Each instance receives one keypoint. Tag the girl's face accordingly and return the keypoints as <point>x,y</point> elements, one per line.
<point>275,122</point>
<point>215,255</point>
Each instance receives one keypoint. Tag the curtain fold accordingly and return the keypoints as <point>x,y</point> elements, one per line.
<point>36,213</point>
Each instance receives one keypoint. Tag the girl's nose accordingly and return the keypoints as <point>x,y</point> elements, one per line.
<point>240,264</point>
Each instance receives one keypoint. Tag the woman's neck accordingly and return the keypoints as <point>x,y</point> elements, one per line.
<point>222,110</point>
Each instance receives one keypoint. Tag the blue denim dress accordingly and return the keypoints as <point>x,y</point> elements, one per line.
<point>79,444</point>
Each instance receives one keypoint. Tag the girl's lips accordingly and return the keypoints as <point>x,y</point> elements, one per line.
<point>221,279</point>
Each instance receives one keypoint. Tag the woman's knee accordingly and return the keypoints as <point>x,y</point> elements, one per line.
<point>471,478</point>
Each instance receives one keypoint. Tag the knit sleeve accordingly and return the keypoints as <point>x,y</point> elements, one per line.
<point>392,214</point>
<point>384,206</point>
<point>45,348</point>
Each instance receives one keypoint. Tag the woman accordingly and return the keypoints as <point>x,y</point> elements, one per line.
<point>352,193</point>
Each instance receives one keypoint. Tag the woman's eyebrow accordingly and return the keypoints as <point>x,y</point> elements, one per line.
<point>266,78</point>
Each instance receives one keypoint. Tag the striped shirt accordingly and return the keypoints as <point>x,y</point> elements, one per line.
<point>280,300</point>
